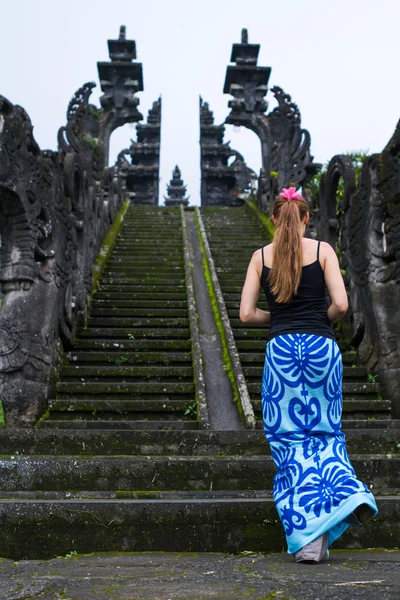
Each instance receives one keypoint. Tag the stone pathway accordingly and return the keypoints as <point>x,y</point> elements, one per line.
<point>350,575</point>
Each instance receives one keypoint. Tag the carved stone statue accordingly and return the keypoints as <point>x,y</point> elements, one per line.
<point>285,146</point>
<point>55,208</point>
<point>365,230</point>
<point>176,190</point>
<point>120,80</point>
<point>139,165</point>
<point>222,184</point>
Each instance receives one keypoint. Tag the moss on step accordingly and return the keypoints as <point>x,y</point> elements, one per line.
<point>2,418</point>
<point>107,246</point>
<point>266,222</point>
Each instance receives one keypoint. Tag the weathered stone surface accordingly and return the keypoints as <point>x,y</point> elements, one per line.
<point>222,184</point>
<point>176,190</point>
<point>120,80</point>
<point>208,522</point>
<point>55,208</point>
<point>364,228</point>
<point>371,575</point>
<point>139,165</point>
<point>285,146</point>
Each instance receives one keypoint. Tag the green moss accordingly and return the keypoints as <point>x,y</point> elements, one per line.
<point>44,416</point>
<point>2,418</point>
<point>93,142</point>
<point>96,112</point>
<point>107,246</point>
<point>277,594</point>
<point>265,221</point>
<point>226,357</point>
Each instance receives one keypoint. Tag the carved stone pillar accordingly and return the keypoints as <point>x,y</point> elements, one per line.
<point>221,184</point>
<point>285,146</point>
<point>365,231</point>
<point>139,165</point>
<point>176,190</point>
<point>120,80</point>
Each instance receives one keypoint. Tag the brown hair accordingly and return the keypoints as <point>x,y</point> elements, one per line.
<point>287,256</point>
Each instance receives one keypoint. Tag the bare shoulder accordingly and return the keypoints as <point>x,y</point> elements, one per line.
<point>327,256</point>
<point>256,259</point>
<point>257,255</point>
<point>327,250</point>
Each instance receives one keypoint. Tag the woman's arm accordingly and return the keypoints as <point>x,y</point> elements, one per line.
<point>334,283</point>
<point>249,313</point>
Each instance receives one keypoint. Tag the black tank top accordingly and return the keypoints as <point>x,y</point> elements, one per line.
<point>307,310</point>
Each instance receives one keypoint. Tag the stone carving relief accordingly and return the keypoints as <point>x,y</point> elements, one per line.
<point>365,230</point>
<point>285,146</point>
<point>55,208</point>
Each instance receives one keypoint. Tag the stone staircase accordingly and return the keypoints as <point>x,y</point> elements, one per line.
<point>131,367</point>
<point>123,460</point>
<point>233,235</point>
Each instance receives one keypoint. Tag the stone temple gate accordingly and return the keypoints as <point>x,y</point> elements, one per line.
<point>120,341</point>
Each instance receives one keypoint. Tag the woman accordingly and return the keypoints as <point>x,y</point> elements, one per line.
<point>316,491</point>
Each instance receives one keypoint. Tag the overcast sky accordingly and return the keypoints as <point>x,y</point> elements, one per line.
<point>338,60</point>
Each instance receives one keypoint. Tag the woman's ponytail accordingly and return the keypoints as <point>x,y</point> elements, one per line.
<point>287,257</point>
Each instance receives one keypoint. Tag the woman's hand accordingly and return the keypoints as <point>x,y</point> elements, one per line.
<point>249,313</point>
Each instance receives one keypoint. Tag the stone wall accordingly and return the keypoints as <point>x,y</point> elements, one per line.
<point>55,208</point>
<point>365,230</point>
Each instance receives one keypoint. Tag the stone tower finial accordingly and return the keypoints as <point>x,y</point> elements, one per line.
<point>176,190</point>
<point>245,36</point>
<point>122,32</point>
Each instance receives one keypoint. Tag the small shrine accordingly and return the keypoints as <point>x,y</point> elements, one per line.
<point>176,190</point>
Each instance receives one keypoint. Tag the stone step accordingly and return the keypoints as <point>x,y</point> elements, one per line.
<point>119,282</point>
<point>144,263</point>
<point>121,387</point>
<point>129,357</point>
<point>148,289</point>
<point>150,255</point>
<point>118,266</point>
<point>127,495</point>
<point>138,312</point>
<point>229,280</point>
<point>138,322</point>
<point>162,403</point>
<point>126,333</point>
<point>148,414</point>
<point>33,529</point>
<point>234,297</point>
<point>117,426</point>
<point>155,247</point>
<point>92,372</point>
<point>180,473</point>
<point>380,438</point>
<point>242,331</point>
<point>162,305</point>
<point>124,276</point>
<point>128,344</point>
<point>141,295</point>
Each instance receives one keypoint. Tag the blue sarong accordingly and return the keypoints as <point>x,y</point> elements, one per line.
<point>315,488</point>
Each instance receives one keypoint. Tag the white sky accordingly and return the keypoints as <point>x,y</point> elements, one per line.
<point>337,59</point>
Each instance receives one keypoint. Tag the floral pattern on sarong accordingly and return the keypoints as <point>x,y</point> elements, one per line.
<point>302,408</point>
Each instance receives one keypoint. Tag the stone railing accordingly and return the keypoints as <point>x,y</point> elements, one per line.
<point>55,208</point>
<point>365,230</point>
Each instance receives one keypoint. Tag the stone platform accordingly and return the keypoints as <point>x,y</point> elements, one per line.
<point>367,575</point>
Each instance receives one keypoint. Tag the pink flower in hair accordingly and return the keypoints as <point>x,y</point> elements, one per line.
<point>290,194</point>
